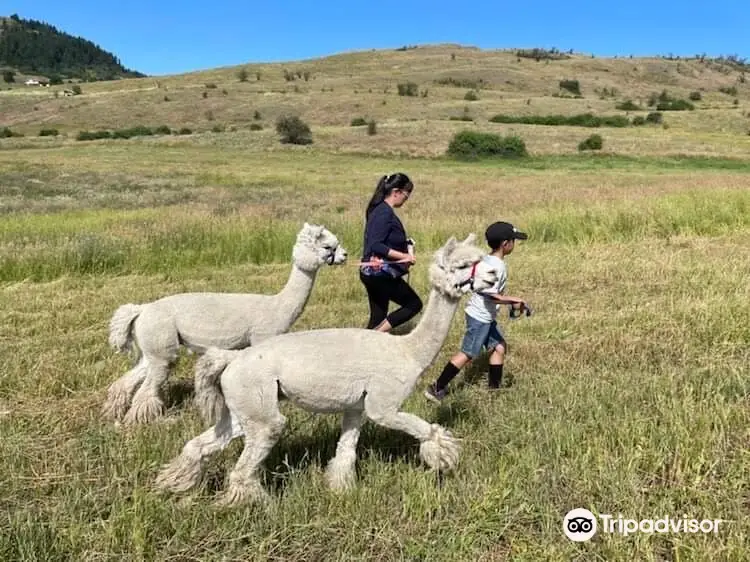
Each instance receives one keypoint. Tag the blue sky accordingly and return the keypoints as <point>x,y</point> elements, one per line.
<point>170,36</point>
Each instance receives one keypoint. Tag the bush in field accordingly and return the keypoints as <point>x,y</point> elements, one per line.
<point>293,130</point>
<point>695,96</point>
<point>93,135</point>
<point>5,132</point>
<point>573,86</point>
<point>654,117</point>
<point>471,95</point>
<point>49,133</point>
<point>581,120</point>
<point>256,127</point>
<point>471,145</point>
<point>628,105</point>
<point>359,122</point>
<point>372,127</point>
<point>408,89</point>
<point>594,142</point>
<point>675,105</point>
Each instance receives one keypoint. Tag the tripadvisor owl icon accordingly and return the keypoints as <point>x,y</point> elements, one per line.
<point>579,525</point>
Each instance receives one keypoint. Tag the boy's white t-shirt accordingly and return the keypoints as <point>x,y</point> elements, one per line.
<point>483,308</point>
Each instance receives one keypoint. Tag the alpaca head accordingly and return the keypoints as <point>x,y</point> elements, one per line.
<point>455,263</point>
<point>317,246</point>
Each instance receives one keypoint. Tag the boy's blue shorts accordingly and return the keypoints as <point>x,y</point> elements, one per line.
<point>480,335</point>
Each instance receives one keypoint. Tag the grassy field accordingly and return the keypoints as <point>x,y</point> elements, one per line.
<point>627,390</point>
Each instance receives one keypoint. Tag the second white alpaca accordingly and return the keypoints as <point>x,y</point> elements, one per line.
<point>202,320</point>
<point>354,371</point>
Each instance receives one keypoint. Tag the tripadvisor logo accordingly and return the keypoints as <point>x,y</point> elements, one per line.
<point>580,525</point>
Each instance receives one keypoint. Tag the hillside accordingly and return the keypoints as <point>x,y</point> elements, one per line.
<point>330,92</point>
<point>36,48</point>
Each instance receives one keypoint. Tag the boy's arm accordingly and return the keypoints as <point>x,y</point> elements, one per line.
<point>503,299</point>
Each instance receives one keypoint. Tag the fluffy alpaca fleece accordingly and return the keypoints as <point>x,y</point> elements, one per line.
<point>355,371</point>
<point>202,320</point>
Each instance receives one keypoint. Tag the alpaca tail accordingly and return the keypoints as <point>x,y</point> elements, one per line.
<point>121,327</point>
<point>208,370</point>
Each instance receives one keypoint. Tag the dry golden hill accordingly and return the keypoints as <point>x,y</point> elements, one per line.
<point>329,92</point>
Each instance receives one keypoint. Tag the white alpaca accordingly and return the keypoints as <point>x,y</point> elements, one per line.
<point>202,320</point>
<point>349,370</point>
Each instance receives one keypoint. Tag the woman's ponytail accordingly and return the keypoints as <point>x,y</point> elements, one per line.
<point>377,197</point>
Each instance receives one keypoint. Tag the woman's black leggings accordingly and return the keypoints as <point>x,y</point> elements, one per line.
<point>383,289</point>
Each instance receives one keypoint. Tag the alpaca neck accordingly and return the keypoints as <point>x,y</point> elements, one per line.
<point>291,300</point>
<point>427,338</point>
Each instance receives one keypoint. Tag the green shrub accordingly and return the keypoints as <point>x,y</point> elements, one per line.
<point>541,54</point>
<point>93,135</point>
<point>293,130</point>
<point>76,89</point>
<point>210,86</point>
<point>471,145</point>
<point>372,127</point>
<point>5,133</point>
<point>730,91</point>
<point>242,75</point>
<point>185,131</point>
<point>257,116</point>
<point>218,129</point>
<point>49,133</point>
<point>462,82</point>
<point>594,142</point>
<point>654,117</point>
<point>256,127</point>
<point>471,95</point>
<point>359,122</point>
<point>639,120</point>
<point>573,86</point>
<point>675,105</point>
<point>580,120</point>
<point>138,131</point>
<point>162,130</point>
<point>628,105</point>
<point>408,89</point>
<point>695,96</point>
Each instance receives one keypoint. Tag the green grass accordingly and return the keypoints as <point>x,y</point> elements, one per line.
<point>628,387</point>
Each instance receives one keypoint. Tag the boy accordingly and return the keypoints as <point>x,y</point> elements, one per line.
<point>481,313</point>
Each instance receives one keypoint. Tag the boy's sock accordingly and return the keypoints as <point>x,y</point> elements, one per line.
<point>496,376</point>
<point>449,372</point>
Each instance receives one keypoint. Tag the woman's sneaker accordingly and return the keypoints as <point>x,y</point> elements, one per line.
<point>435,395</point>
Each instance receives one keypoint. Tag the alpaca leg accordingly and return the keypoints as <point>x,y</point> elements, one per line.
<point>147,403</point>
<point>254,404</point>
<point>244,480</point>
<point>184,472</point>
<point>340,472</point>
<point>120,391</point>
<point>438,448</point>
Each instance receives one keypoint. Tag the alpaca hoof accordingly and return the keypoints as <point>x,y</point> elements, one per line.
<point>144,411</point>
<point>239,494</point>
<point>180,475</point>
<point>116,404</point>
<point>441,450</point>
<point>114,409</point>
<point>339,478</point>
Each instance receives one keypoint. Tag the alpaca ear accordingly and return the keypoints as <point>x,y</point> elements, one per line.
<point>450,245</point>
<point>470,239</point>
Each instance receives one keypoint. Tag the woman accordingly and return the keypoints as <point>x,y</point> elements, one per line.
<point>385,242</point>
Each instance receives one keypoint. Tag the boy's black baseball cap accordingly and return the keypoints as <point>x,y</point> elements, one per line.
<point>499,232</point>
